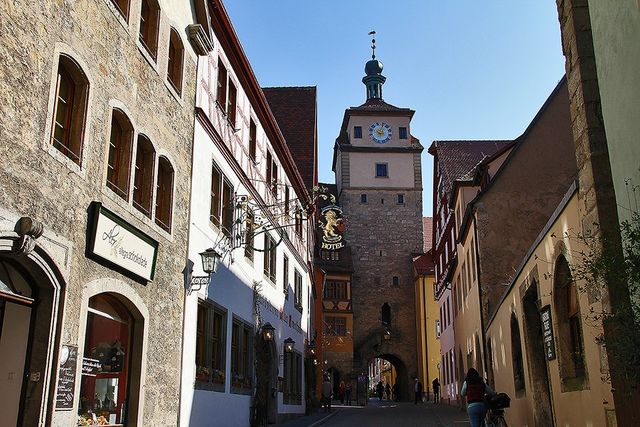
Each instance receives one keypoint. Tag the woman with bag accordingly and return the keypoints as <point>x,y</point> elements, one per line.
<point>474,388</point>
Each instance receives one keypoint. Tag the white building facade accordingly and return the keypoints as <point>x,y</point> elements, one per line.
<point>248,203</point>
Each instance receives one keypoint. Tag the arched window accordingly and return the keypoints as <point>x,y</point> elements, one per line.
<point>119,160</point>
<point>567,308</point>
<point>175,61</point>
<point>149,24</point>
<point>70,109</point>
<point>516,355</point>
<point>386,314</point>
<point>164,194</point>
<point>143,178</point>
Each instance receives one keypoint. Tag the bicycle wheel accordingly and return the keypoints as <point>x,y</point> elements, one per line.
<point>500,422</point>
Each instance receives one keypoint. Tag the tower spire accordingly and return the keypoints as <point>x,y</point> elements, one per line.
<point>373,70</point>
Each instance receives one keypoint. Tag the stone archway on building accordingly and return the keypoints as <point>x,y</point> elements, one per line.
<point>538,369</point>
<point>31,291</point>
<point>398,374</point>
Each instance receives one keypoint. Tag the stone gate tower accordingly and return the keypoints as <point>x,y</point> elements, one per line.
<point>379,182</point>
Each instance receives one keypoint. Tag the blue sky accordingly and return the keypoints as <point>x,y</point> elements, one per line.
<point>470,69</point>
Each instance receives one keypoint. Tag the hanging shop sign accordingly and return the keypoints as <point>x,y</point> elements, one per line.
<point>66,377</point>
<point>118,242</point>
<point>332,226</point>
<point>547,333</point>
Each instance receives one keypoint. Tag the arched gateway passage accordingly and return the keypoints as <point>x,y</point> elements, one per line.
<point>389,369</point>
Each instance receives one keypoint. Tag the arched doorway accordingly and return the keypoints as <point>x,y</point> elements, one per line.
<point>30,292</point>
<point>111,361</point>
<point>389,369</point>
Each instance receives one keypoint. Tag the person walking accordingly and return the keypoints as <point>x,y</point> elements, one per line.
<point>379,390</point>
<point>417,388</point>
<point>347,393</point>
<point>341,390</point>
<point>326,394</point>
<point>474,389</point>
<point>435,384</point>
<point>396,395</point>
<point>387,391</point>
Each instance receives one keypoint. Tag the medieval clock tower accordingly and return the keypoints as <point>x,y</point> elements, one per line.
<point>379,183</point>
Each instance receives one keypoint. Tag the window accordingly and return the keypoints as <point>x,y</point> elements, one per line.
<point>401,199</point>
<point>248,236</point>
<point>221,209</point>
<point>70,109</point>
<point>231,104</point>
<point>119,160</point>
<point>221,95</point>
<point>335,326</point>
<point>381,170</point>
<point>252,139</point>
<point>292,378</point>
<point>123,7</point>
<point>297,278</point>
<point>363,198</point>
<point>210,347</point>
<point>272,174</point>
<point>270,258</point>
<point>330,255</point>
<point>175,61</point>
<point>570,340</point>
<point>516,355</point>
<point>143,177</point>
<point>149,24</point>
<point>335,290</point>
<point>285,276</point>
<point>164,194</point>
<point>357,132</point>
<point>241,357</point>
<point>386,314</point>
<point>402,132</point>
<point>395,281</point>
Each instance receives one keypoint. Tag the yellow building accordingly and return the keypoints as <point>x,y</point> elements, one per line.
<point>427,317</point>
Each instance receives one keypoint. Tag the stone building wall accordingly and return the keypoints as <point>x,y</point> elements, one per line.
<point>37,181</point>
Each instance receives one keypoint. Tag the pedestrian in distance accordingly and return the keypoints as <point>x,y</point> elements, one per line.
<point>417,388</point>
<point>341,391</point>
<point>396,395</point>
<point>435,384</point>
<point>326,394</point>
<point>347,393</point>
<point>387,391</point>
<point>474,389</point>
<point>379,390</point>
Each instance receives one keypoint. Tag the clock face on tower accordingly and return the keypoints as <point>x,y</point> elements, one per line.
<point>380,132</point>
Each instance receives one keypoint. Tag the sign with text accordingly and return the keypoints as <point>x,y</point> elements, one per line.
<point>118,242</point>
<point>66,377</point>
<point>331,223</point>
<point>547,333</point>
<point>90,367</point>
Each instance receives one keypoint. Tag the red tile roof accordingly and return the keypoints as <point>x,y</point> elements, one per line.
<point>424,264</point>
<point>457,158</point>
<point>295,110</point>
<point>427,233</point>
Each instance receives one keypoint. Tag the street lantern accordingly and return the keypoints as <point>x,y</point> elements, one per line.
<point>267,332</point>
<point>288,345</point>
<point>311,347</point>
<point>387,335</point>
<point>210,259</point>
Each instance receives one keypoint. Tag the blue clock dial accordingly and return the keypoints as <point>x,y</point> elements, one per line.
<point>380,132</point>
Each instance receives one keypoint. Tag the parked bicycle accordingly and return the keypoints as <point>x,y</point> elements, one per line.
<point>495,410</point>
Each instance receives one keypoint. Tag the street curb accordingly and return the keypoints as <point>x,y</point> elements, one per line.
<point>321,421</point>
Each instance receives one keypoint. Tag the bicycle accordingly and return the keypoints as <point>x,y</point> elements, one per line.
<point>495,410</point>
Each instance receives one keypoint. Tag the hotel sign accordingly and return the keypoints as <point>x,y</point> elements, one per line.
<point>118,242</point>
<point>547,333</point>
<point>332,226</point>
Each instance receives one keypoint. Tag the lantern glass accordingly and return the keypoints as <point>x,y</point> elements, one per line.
<point>288,345</point>
<point>267,332</point>
<point>210,259</point>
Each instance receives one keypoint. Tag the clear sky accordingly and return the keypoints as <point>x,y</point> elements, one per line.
<point>470,69</point>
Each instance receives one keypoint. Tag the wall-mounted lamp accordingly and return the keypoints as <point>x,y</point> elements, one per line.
<point>311,348</point>
<point>288,345</point>
<point>387,335</point>
<point>210,260</point>
<point>268,332</point>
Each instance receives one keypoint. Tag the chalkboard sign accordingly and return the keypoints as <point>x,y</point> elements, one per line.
<point>66,377</point>
<point>90,367</point>
<point>547,333</point>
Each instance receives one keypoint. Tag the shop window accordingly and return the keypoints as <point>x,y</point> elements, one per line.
<point>221,209</point>
<point>175,61</point>
<point>210,347</point>
<point>570,339</point>
<point>270,258</point>
<point>164,194</point>
<point>285,276</point>
<point>292,378</point>
<point>357,132</point>
<point>109,345</point>
<point>252,139</point>
<point>70,109</point>
<point>123,7</point>
<point>335,326</point>
<point>119,159</point>
<point>335,290</point>
<point>241,357</point>
<point>149,24</point>
<point>297,279</point>
<point>143,176</point>
<point>516,355</point>
<point>382,170</point>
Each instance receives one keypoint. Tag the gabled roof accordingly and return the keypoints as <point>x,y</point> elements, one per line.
<point>424,264</point>
<point>295,110</point>
<point>377,105</point>
<point>456,159</point>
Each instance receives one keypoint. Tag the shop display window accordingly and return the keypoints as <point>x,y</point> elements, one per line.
<point>105,363</point>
